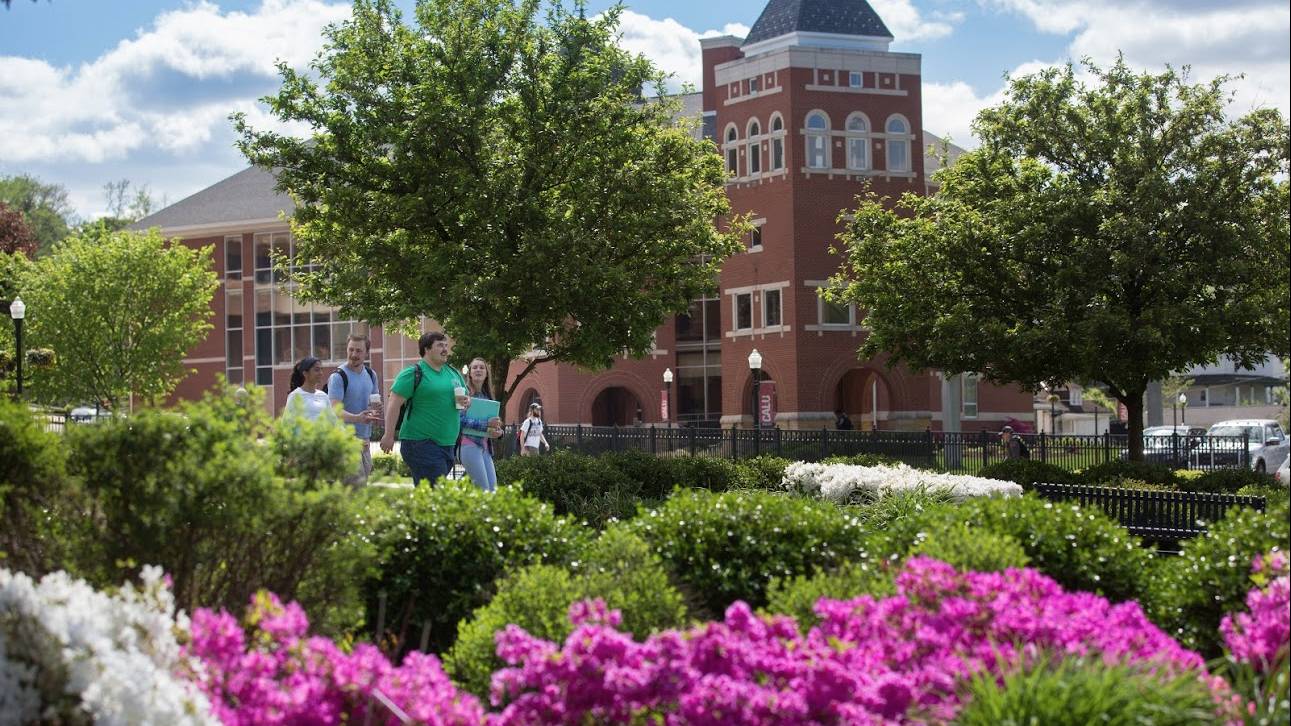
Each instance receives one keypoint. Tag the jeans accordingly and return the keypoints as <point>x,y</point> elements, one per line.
<point>479,467</point>
<point>427,460</point>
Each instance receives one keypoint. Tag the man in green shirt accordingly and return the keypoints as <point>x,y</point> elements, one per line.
<point>431,423</point>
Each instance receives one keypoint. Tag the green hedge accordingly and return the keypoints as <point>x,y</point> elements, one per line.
<point>1145,471</point>
<point>444,547</point>
<point>618,568</point>
<point>33,486</point>
<point>1226,481</point>
<point>389,466</point>
<point>1189,594</point>
<point>727,546</point>
<point>1027,472</point>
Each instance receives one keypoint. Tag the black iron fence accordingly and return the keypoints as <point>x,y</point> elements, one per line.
<point>1163,517</point>
<point>964,452</point>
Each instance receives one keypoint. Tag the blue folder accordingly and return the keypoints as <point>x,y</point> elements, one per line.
<point>481,409</point>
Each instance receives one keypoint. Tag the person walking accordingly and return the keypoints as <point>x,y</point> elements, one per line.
<point>307,399</point>
<point>1014,446</point>
<point>531,432</point>
<point>476,452</point>
<point>352,389</point>
<point>431,394</point>
<point>842,422</point>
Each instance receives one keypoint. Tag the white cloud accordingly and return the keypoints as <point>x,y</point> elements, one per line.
<point>672,46</point>
<point>908,24</point>
<point>167,88</point>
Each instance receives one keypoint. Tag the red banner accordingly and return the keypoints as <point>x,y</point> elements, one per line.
<point>766,403</point>
<point>663,405</point>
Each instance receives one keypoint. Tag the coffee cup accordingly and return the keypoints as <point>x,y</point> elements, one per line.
<point>459,392</point>
<point>374,402</point>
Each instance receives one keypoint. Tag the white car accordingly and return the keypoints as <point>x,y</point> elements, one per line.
<point>1283,475</point>
<point>1267,445</point>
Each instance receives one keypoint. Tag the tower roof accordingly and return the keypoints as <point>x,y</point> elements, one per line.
<point>836,17</point>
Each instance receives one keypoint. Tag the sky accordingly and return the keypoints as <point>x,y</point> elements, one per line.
<point>94,91</point>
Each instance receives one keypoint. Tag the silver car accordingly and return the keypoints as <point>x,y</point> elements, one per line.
<point>1267,445</point>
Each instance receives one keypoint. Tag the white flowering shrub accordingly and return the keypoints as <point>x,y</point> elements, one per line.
<point>842,482</point>
<point>70,654</point>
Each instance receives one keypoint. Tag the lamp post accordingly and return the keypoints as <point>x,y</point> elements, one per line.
<point>755,365</point>
<point>18,311</point>
<point>667,395</point>
<point>1183,408</point>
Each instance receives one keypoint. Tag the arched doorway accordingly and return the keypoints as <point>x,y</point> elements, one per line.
<point>863,395</point>
<point>616,406</point>
<point>530,396</point>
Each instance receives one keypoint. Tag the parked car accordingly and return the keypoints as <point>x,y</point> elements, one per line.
<point>1267,445</point>
<point>1161,446</point>
<point>1283,475</point>
<point>88,414</point>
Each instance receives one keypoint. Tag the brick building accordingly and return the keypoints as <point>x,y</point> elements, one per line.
<point>806,111</point>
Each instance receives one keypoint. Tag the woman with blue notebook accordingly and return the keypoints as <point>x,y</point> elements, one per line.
<point>480,425</point>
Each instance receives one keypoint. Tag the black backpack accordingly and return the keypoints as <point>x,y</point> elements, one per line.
<point>406,408</point>
<point>1023,451</point>
<point>345,379</point>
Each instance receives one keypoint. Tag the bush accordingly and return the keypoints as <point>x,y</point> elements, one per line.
<point>1273,495</point>
<point>586,488</point>
<point>797,596</point>
<point>190,490</point>
<point>1027,472</point>
<point>728,546</point>
<point>1190,594</point>
<point>32,487</point>
<point>1080,691</point>
<point>1124,469</point>
<point>390,466</point>
<point>763,472</point>
<point>322,450</point>
<point>956,544</point>
<point>1228,481</point>
<point>444,547</point>
<point>863,460</point>
<point>619,568</point>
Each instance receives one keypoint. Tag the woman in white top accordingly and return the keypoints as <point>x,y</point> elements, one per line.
<point>531,432</point>
<point>307,397</point>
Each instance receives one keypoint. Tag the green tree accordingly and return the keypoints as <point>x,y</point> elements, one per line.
<point>501,175</point>
<point>127,206</point>
<point>1100,399</point>
<point>16,236</point>
<point>44,207</point>
<point>1111,232</point>
<point>121,309</point>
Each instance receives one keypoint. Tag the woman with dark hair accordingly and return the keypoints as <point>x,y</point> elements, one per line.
<point>307,398</point>
<point>477,451</point>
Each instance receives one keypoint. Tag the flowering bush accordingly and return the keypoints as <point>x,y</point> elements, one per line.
<point>842,482</point>
<point>869,661</point>
<point>1260,637</point>
<point>280,676</point>
<point>71,654</point>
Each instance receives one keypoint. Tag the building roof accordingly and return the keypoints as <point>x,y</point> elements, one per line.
<point>839,17</point>
<point>247,196</point>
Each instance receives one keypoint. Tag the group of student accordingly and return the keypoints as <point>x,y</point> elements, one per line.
<point>430,408</point>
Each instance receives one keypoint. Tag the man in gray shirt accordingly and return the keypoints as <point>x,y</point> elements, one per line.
<point>350,389</point>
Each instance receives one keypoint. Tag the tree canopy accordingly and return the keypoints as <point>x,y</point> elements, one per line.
<point>44,207</point>
<point>500,173</point>
<point>120,310</point>
<point>16,236</point>
<point>1114,232</point>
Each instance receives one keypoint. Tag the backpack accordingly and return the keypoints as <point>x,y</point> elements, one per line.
<point>406,408</point>
<point>1023,451</point>
<point>345,379</point>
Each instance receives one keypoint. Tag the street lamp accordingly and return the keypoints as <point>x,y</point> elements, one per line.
<point>1183,408</point>
<point>667,395</point>
<point>18,311</point>
<point>755,365</point>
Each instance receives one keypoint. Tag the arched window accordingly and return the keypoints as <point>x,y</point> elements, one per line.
<point>898,144</point>
<point>817,135</point>
<point>732,152</point>
<point>777,142</point>
<point>858,142</point>
<point>755,147</point>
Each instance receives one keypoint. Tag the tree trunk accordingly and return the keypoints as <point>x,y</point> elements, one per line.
<point>499,369</point>
<point>1134,408</point>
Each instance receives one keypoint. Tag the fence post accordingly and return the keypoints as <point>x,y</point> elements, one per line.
<point>1044,448</point>
<point>1107,446</point>
<point>986,447</point>
<point>757,440</point>
<point>824,443</point>
<point>578,438</point>
<point>735,443</point>
<point>653,450</point>
<point>614,439</point>
<point>1246,450</point>
<point>779,443</point>
<point>692,440</point>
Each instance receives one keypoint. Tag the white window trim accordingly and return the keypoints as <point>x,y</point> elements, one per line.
<point>810,135</point>
<point>906,138</point>
<point>777,136</point>
<point>758,224</point>
<point>753,142</point>
<point>963,397</point>
<point>856,76</point>
<point>735,313</point>
<point>850,136</point>
<point>767,327</point>
<point>851,326</point>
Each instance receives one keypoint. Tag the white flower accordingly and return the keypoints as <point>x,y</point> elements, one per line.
<point>68,652</point>
<point>838,482</point>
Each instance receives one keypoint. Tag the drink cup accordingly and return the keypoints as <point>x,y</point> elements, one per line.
<point>374,402</point>
<point>459,392</point>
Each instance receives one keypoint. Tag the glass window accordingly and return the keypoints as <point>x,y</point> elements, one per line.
<point>264,264</point>
<point>817,122</point>
<point>755,238</point>
<point>777,143</point>
<point>713,320</point>
<point>969,395</point>
<point>744,311</point>
<point>755,84</point>
<point>281,255</point>
<point>854,79</point>
<point>233,350</point>
<point>898,149</point>
<point>690,326</point>
<point>233,257</point>
<point>233,308</point>
<point>771,308</point>
<point>817,141</point>
<point>858,156</point>
<point>834,313</point>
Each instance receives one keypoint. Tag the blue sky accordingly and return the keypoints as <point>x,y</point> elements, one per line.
<point>93,91</point>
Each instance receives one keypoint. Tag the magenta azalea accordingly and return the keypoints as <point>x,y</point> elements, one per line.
<point>1261,637</point>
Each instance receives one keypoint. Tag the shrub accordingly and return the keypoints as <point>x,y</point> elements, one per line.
<point>728,546</point>
<point>1078,691</point>
<point>959,546</point>
<point>444,547</point>
<point>708,472</point>
<point>1027,472</point>
<point>1125,469</point>
<point>763,472</point>
<point>1273,495</point>
<point>586,488</point>
<point>1190,594</point>
<point>189,490</point>
<point>1228,481</point>
<point>322,450</point>
<point>863,460</point>
<point>389,466</point>
<point>619,568</point>
<point>32,490</point>
<point>797,596</point>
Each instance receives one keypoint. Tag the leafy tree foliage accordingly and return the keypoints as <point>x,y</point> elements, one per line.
<point>45,207</point>
<point>499,174</point>
<point>121,309</point>
<point>16,236</point>
<point>1111,232</point>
